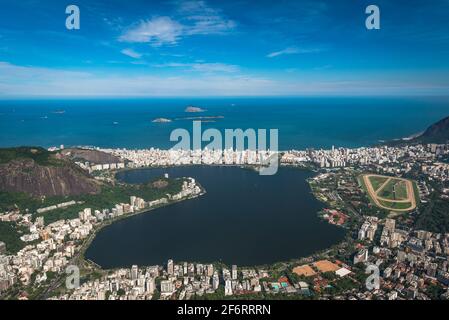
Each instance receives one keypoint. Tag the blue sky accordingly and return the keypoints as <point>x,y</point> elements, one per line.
<point>223,48</point>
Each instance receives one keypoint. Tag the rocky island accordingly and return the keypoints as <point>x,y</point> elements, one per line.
<point>193,109</point>
<point>161,120</point>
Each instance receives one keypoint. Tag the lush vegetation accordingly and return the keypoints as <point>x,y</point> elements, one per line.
<point>22,201</point>
<point>435,291</point>
<point>376,182</point>
<point>394,190</point>
<point>110,196</point>
<point>13,200</point>
<point>39,155</point>
<point>107,198</point>
<point>434,217</point>
<point>10,234</point>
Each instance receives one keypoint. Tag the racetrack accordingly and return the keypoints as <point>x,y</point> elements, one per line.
<point>380,201</point>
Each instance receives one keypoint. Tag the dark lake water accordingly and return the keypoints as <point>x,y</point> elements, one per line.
<point>243,219</point>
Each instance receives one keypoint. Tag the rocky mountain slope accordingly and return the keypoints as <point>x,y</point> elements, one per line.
<point>436,133</point>
<point>92,156</point>
<point>38,172</point>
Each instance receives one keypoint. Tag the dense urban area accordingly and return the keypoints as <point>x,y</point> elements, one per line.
<point>387,254</point>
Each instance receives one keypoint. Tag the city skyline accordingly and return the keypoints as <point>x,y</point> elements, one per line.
<point>217,48</point>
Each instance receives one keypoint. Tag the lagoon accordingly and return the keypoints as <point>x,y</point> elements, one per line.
<point>243,219</point>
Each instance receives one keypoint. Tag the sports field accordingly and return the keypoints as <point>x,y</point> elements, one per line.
<point>390,193</point>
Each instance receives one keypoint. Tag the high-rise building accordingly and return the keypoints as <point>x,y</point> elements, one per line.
<point>361,256</point>
<point>40,221</point>
<point>210,270</point>
<point>170,267</point>
<point>167,287</point>
<point>101,295</point>
<point>371,232</point>
<point>390,225</point>
<point>234,272</point>
<point>199,269</point>
<point>132,200</point>
<point>215,281</point>
<point>134,272</point>
<point>88,212</point>
<point>85,214</point>
<point>228,288</point>
<point>150,285</point>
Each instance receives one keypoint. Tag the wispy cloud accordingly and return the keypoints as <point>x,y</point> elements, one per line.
<point>195,18</point>
<point>21,74</point>
<point>28,81</point>
<point>32,81</point>
<point>203,18</point>
<point>202,67</point>
<point>292,50</point>
<point>157,31</point>
<point>131,53</point>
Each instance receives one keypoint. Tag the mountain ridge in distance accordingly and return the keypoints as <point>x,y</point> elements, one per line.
<point>437,133</point>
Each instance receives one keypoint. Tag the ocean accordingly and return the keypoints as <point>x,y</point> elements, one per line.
<point>302,122</point>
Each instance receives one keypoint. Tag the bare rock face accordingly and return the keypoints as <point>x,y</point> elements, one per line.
<point>193,109</point>
<point>93,156</point>
<point>64,179</point>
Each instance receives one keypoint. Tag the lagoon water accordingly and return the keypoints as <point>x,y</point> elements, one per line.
<point>243,219</point>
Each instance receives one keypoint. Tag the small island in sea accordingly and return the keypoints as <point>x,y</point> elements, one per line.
<point>161,120</point>
<point>193,109</point>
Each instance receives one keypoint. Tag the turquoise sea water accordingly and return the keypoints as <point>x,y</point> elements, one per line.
<point>302,122</point>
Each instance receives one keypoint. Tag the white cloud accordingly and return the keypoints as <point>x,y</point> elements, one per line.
<point>195,18</point>
<point>157,31</point>
<point>292,50</point>
<point>131,53</point>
